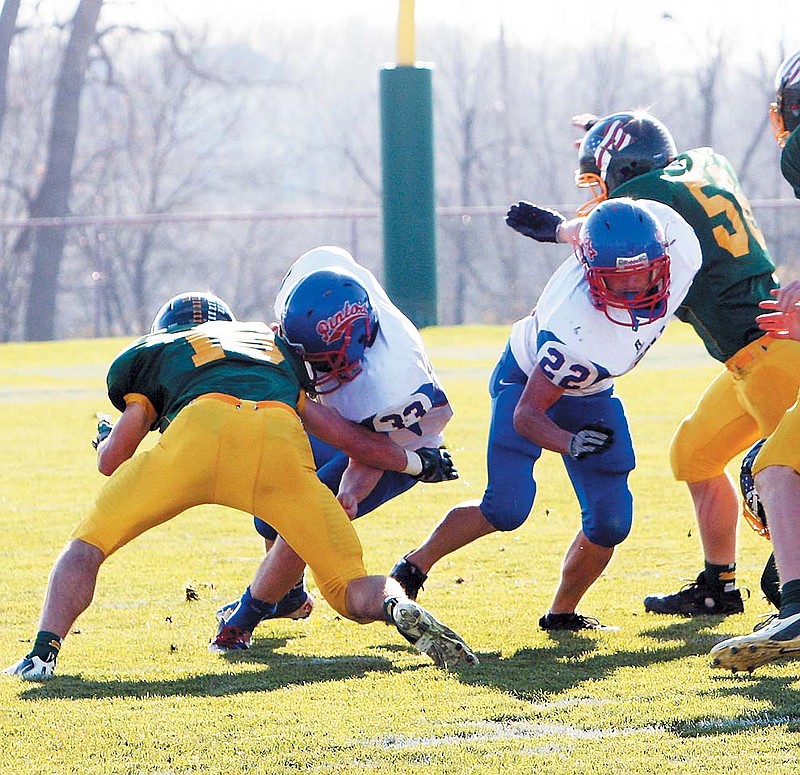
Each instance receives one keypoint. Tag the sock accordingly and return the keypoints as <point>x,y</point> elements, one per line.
<point>790,599</point>
<point>721,578</point>
<point>45,645</point>
<point>250,612</point>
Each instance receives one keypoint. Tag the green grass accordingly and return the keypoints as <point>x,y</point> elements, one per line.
<point>138,692</point>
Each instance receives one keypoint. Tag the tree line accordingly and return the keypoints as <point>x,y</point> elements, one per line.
<point>138,162</point>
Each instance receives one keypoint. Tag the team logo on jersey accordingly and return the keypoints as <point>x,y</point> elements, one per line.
<point>614,139</point>
<point>336,326</point>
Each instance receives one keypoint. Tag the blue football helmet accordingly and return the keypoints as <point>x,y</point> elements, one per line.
<point>624,255</point>
<point>752,509</point>
<point>784,112</point>
<point>329,319</point>
<point>190,309</point>
<point>620,147</point>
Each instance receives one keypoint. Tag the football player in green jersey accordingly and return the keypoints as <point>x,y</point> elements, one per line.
<point>775,466</point>
<point>228,398</point>
<point>633,154</point>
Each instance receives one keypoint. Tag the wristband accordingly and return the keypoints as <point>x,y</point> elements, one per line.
<point>413,464</point>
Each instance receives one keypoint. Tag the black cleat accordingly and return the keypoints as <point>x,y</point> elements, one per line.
<point>696,599</point>
<point>572,622</point>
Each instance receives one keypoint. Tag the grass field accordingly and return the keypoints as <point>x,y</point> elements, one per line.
<point>138,692</point>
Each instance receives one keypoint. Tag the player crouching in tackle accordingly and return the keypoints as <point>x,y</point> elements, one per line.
<point>368,362</point>
<point>553,388</point>
<point>229,398</point>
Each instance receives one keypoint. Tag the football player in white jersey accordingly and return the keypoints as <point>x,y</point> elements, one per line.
<point>553,388</point>
<point>367,361</point>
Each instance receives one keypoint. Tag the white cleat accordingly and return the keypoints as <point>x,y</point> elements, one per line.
<point>773,639</point>
<point>33,668</point>
<point>428,635</point>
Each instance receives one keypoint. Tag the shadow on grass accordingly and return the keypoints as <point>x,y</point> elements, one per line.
<point>531,673</point>
<point>280,671</point>
<point>571,659</point>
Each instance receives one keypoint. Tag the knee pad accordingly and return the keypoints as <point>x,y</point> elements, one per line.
<point>512,512</point>
<point>690,457</point>
<point>609,519</point>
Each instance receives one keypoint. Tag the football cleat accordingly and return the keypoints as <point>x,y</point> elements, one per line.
<point>297,603</point>
<point>409,576</point>
<point>428,635</point>
<point>33,668</point>
<point>772,639</point>
<point>229,638</point>
<point>571,621</point>
<point>696,599</point>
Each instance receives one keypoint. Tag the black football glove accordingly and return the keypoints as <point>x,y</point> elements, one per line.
<point>590,440</point>
<point>104,428</point>
<point>538,223</point>
<point>437,465</point>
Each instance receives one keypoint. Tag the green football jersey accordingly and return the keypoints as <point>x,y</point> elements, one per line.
<point>736,273</point>
<point>172,368</point>
<point>790,161</point>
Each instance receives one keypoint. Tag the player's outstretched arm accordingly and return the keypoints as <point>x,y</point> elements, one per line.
<point>542,223</point>
<point>372,449</point>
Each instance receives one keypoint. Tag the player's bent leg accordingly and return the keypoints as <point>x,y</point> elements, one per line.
<point>297,603</point>
<point>460,526</point>
<point>69,592</point>
<point>582,566</point>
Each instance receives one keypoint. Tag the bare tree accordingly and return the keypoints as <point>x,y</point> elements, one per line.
<point>52,197</point>
<point>8,28</point>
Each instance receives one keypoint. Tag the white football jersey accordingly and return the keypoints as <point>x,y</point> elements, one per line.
<point>574,343</point>
<point>397,391</point>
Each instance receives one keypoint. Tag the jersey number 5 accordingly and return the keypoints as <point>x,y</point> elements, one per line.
<point>729,200</point>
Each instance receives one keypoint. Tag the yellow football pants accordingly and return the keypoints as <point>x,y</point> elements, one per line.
<point>251,457</point>
<point>782,448</point>
<point>743,404</point>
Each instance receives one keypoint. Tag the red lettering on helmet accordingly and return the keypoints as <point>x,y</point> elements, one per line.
<point>335,327</point>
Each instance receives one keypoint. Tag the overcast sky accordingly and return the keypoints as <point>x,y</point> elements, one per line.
<point>527,20</point>
<point>677,30</point>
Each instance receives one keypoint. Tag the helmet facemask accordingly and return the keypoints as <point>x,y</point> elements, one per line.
<point>626,263</point>
<point>597,188</point>
<point>784,112</point>
<point>639,306</point>
<point>752,508</point>
<point>333,367</point>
